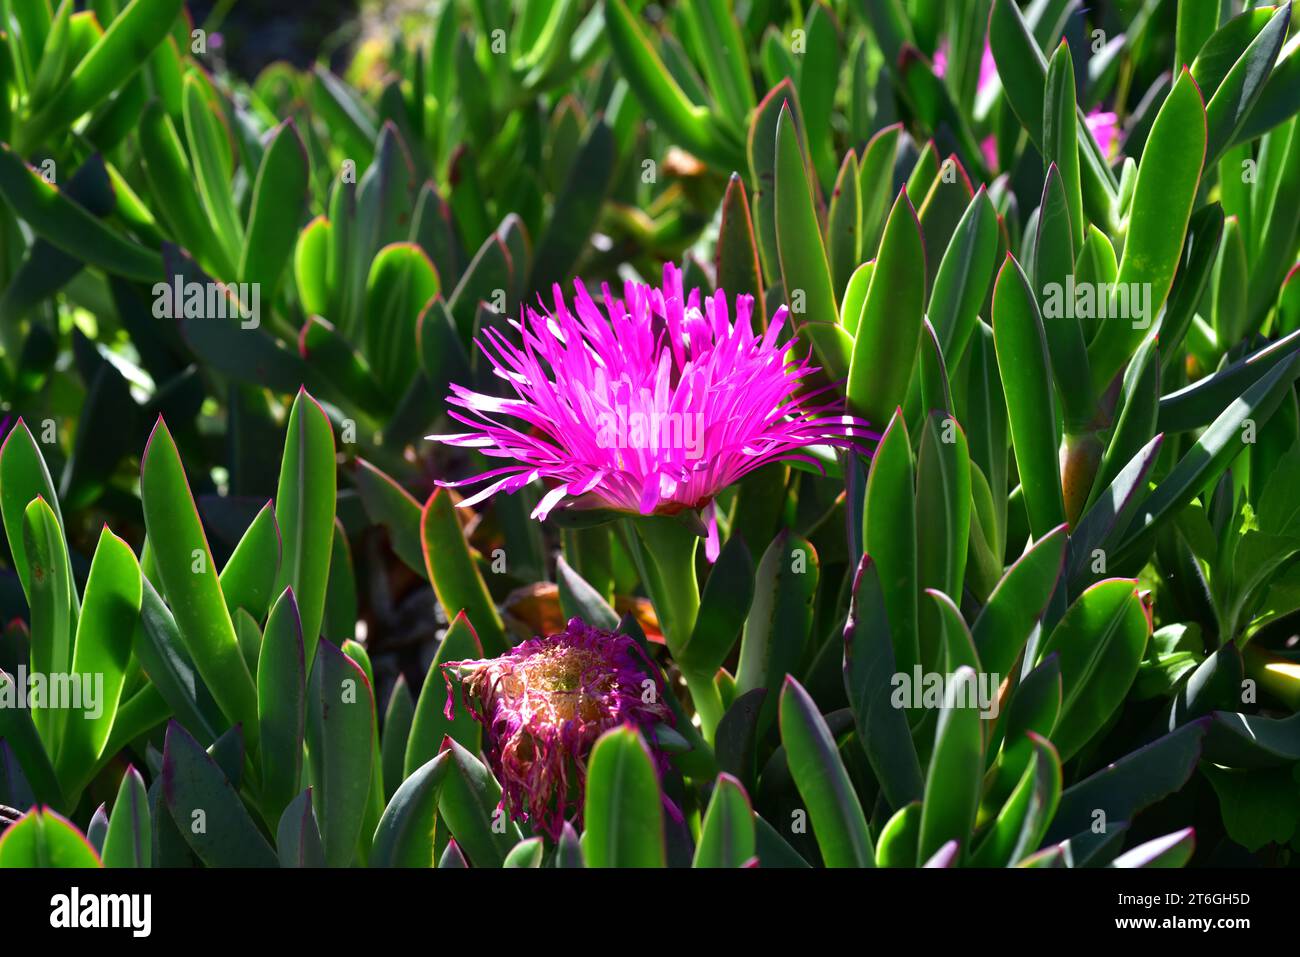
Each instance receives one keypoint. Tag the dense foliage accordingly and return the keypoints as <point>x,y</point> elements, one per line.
<point>991,558</point>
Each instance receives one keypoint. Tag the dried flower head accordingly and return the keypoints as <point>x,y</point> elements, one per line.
<point>544,703</point>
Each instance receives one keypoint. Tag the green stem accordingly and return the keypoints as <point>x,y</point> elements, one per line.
<point>707,700</point>
<point>669,573</point>
<point>667,565</point>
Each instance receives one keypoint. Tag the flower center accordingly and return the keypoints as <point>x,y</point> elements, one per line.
<point>559,670</point>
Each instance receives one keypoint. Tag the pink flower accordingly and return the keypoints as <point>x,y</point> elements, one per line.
<point>988,68</point>
<point>544,703</point>
<point>652,406</point>
<point>940,65</point>
<point>1105,131</point>
<point>1103,124</point>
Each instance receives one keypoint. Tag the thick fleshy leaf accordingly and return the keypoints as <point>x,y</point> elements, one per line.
<point>889,536</point>
<point>1235,96</point>
<point>818,772</point>
<point>1214,450</point>
<point>401,282</point>
<point>691,125</point>
<point>1172,850</point>
<point>737,263</point>
<point>206,809</point>
<point>943,503</point>
<point>456,580</point>
<point>1054,258</point>
<point>430,726</point>
<point>579,598</point>
<point>304,512</point>
<point>1023,364</point>
<point>175,191</point>
<point>280,195</point>
<point>805,270</point>
<point>404,837</point>
<point>962,281</point>
<point>889,332</point>
<point>779,621</point>
<point>727,834</point>
<point>1199,403</point>
<point>869,670</point>
<point>876,182</point>
<point>842,227</point>
<point>624,807</point>
<point>193,590</point>
<point>1020,825</point>
<point>123,49</point>
<point>281,705</point>
<point>127,843</point>
<point>390,505</point>
<point>896,845</point>
<point>1136,781</point>
<point>1018,602</point>
<point>24,476</point>
<point>212,161</point>
<point>1166,186</point>
<point>42,838</point>
<point>1022,71</point>
<point>52,594</point>
<point>577,209</point>
<point>470,804</point>
<point>100,657</point>
<point>21,741</point>
<point>1060,135</point>
<point>526,854</point>
<point>1135,425</point>
<point>340,741</point>
<point>952,784</point>
<point>249,576</point>
<point>1102,525</point>
<point>68,226</point>
<point>1100,641</point>
<point>297,837</point>
<point>724,606</point>
<point>762,168</point>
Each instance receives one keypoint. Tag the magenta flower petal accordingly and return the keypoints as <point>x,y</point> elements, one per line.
<point>1105,130</point>
<point>544,703</point>
<point>653,405</point>
<point>988,66</point>
<point>940,66</point>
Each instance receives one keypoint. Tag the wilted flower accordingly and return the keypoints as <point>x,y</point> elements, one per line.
<point>653,406</point>
<point>544,703</point>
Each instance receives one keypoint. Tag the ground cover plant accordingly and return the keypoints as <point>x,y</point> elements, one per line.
<point>704,434</point>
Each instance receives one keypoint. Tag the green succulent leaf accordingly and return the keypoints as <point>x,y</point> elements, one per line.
<point>42,838</point>
<point>833,807</point>
<point>340,742</point>
<point>190,581</point>
<point>206,808</point>
<point>127,843</point>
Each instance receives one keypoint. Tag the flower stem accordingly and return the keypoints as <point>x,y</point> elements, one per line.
<point>667,563</point>
<point>669,573</point>
<point>707,700</point>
